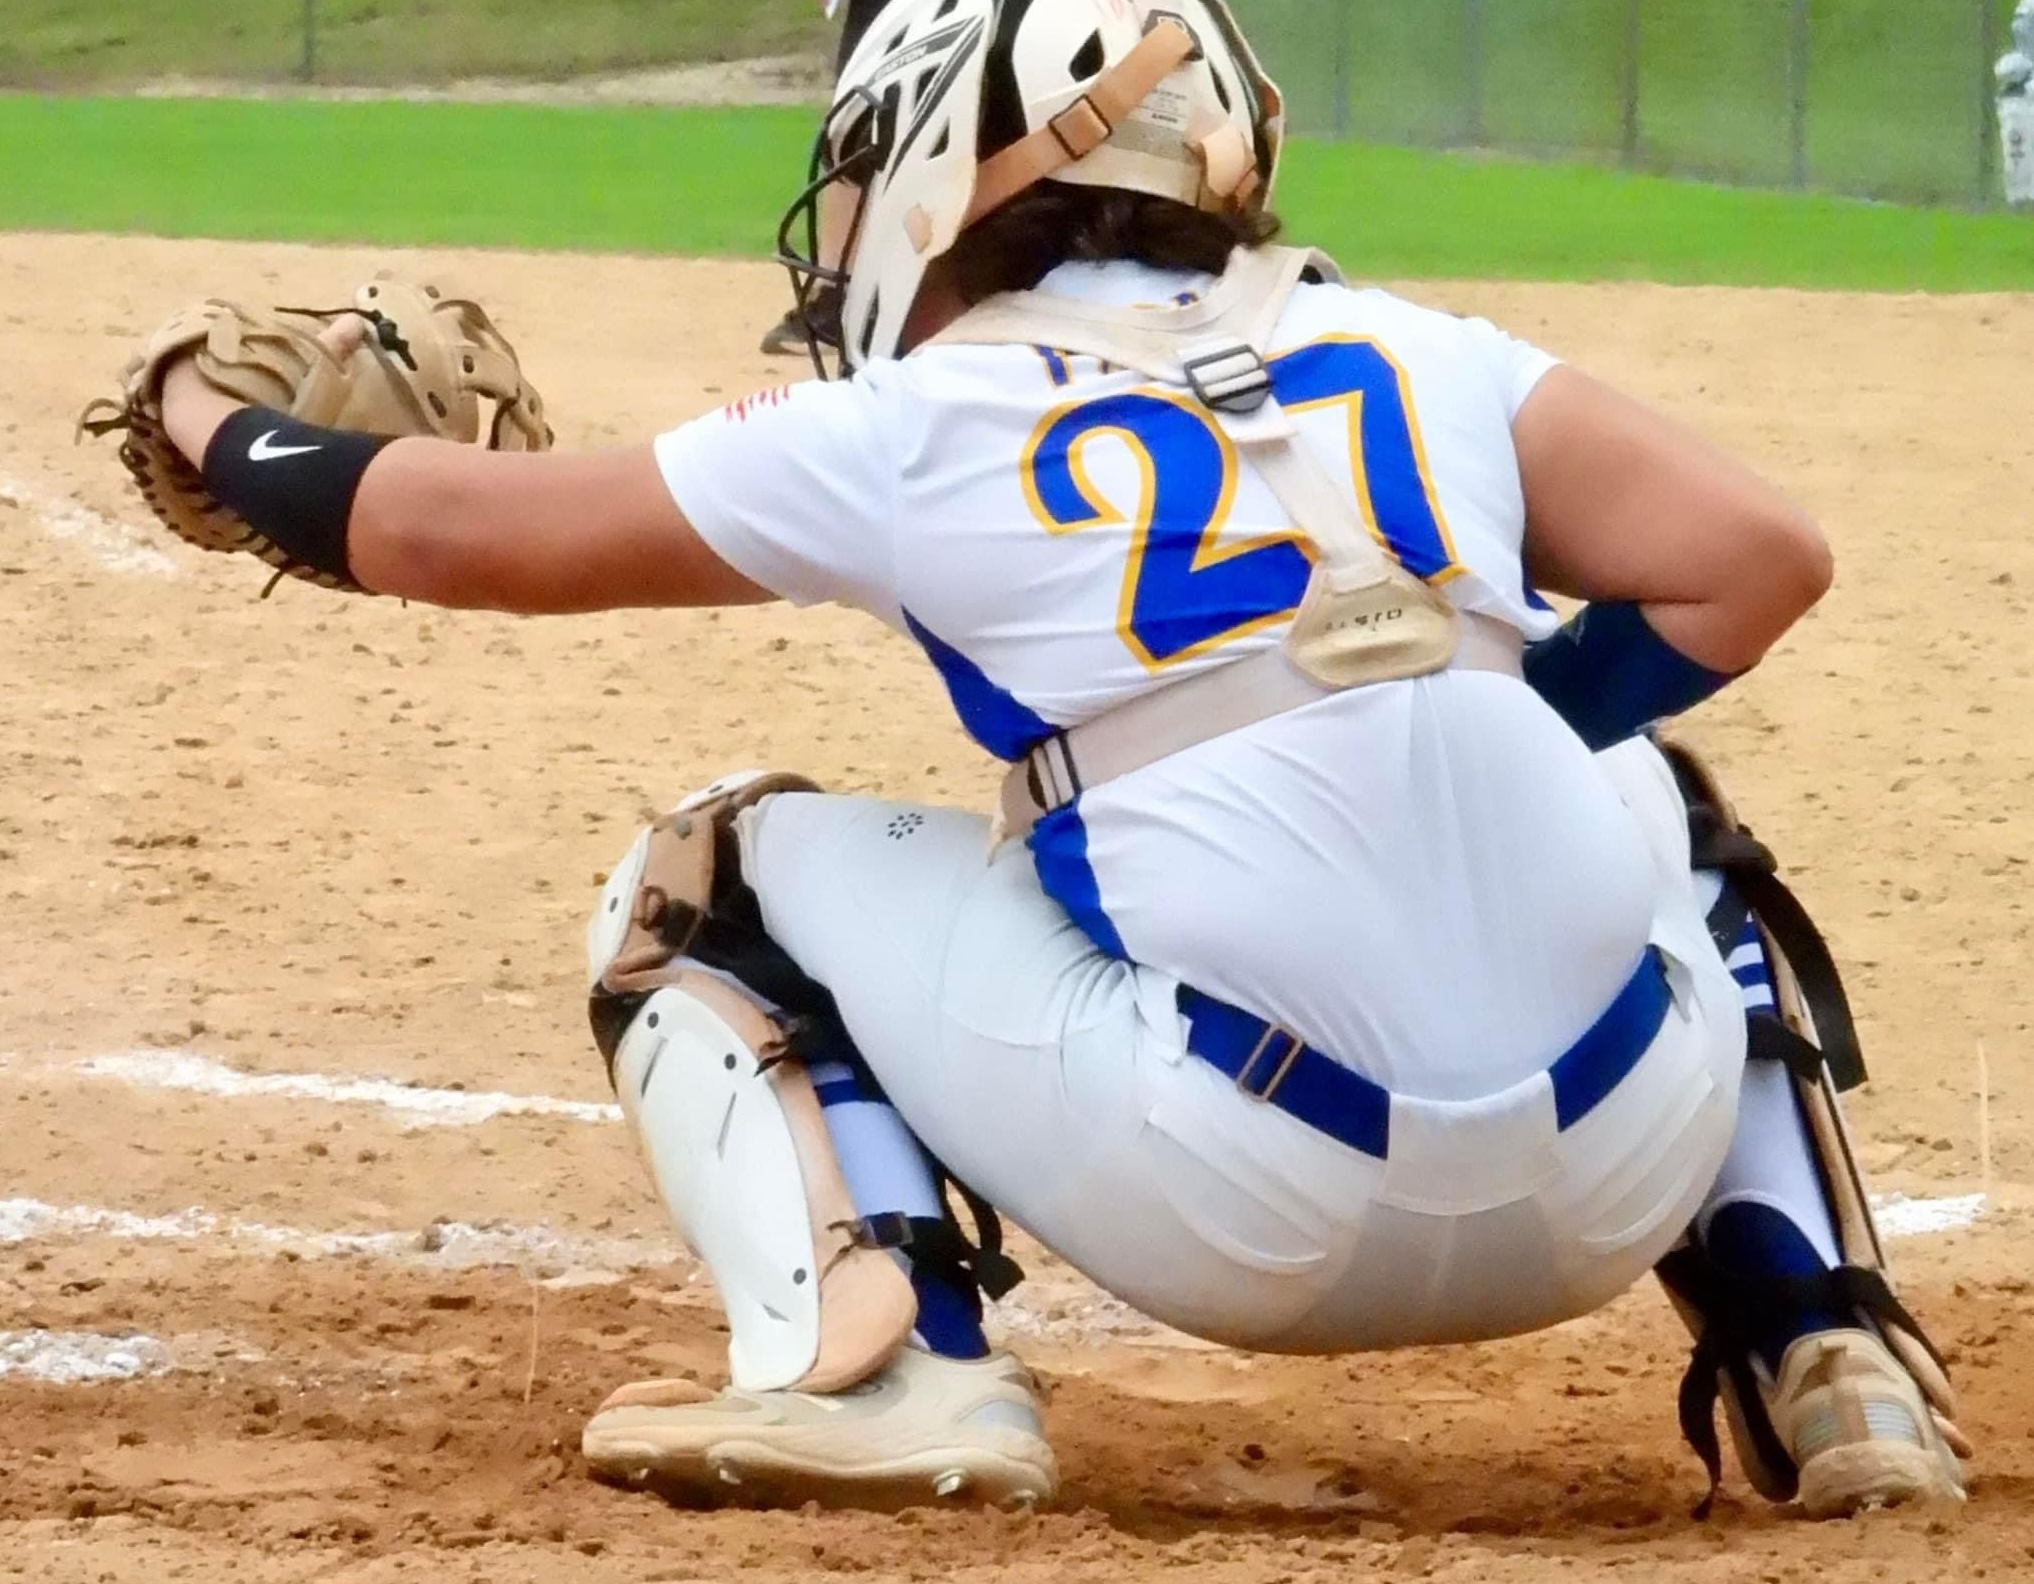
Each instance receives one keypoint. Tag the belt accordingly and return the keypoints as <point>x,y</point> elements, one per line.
<point>1273,1065</point>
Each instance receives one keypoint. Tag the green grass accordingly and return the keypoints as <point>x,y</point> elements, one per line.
<point>1402,212</point>
<point>515,176</point>
<point>121,43</point>
<point>714,182</point>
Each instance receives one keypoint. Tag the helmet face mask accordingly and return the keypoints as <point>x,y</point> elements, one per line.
<point>904,140</point>
<point>846,155</point>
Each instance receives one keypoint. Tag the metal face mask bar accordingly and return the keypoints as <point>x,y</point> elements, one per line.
<point>847,152</point>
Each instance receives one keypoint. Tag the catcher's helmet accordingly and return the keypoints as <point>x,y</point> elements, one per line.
<point>950,108</point>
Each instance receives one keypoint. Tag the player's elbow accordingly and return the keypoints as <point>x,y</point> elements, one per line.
<point>1798,565</point>
<point>1781,568</point>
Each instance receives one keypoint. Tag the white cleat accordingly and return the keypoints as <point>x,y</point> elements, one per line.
<point>1858,1428</point>
<point>925,1429</point>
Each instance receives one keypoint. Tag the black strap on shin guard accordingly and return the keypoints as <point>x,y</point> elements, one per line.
<point>1755,890</point>
<point>939,1244</point>
<point>1731,1309</point>
<point>995,1272</point>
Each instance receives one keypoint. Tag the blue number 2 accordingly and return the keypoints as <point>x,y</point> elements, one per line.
<point>1183,593</point>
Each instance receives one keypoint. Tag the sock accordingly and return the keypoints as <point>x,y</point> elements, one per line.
<point>887,1174</point>
<point>1756,1242</point>
<point>1766,1216</point>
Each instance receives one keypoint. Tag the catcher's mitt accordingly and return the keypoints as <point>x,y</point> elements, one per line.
<point>422,369</point>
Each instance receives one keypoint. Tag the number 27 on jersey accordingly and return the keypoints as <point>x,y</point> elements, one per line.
<point>1185,593</point>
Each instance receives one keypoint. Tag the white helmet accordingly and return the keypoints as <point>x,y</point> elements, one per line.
<point>950,108</point>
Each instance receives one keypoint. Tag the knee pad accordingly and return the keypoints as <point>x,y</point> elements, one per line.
<point>727,1119</point>
<point>677,896</point>
<point>1812,1033</point>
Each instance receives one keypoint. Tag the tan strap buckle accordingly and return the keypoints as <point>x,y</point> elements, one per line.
<point>1094,129</point>
<point>1272,1032</point>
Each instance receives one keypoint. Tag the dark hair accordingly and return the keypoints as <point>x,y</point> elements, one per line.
<point>1057,223</point>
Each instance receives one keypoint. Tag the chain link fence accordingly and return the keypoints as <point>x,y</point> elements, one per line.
<point>1880,98</point>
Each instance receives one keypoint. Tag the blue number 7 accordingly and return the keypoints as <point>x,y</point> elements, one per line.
<point>1184,593</point>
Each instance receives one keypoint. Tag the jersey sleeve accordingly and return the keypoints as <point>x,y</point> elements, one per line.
<point>1517,366</point>
<point>796,490</point>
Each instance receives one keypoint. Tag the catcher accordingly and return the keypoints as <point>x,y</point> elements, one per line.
<point>1340,970</point>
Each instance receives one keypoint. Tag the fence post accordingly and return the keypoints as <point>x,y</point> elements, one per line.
<point>1800,41</point>
<point>1991,45</point>
<point>308,70</point>
<point>1634,34</point>
<point>1472,42</point>
<point>1344,46</point>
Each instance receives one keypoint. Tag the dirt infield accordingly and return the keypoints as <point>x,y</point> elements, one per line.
<point>317,1242</point>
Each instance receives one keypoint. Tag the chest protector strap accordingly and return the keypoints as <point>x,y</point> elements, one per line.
<point>1364,618</point>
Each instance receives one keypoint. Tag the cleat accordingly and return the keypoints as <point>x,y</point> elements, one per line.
<point>956,1428</point>
<point>786,337</point>
<point>1857,1427</point>
<point>792,335</point>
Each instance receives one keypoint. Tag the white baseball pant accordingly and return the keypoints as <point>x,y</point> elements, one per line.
<point>1056,1082</point>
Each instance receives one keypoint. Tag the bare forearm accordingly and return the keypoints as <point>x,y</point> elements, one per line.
<point>460,526</point>
<point>549,534</point>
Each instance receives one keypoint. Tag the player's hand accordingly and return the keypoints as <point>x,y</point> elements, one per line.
<point>401,360</point>
<point>193,408</point>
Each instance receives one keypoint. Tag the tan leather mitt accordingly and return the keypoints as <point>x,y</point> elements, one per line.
<point>423,368</point>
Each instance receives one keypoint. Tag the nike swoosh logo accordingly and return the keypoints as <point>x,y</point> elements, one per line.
<point>263,451</point>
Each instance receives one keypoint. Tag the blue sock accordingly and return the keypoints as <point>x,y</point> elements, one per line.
<point>1755,1242</point>
<point>888,1174</point>
<point>949,1315</point>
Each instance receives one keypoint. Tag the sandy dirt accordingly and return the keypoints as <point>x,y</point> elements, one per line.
<point>346,838</point>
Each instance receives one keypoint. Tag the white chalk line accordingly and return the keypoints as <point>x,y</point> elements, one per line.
<point>416,1104</point>
<point>1900,1216</point>
<point>80,1358</point>
<point>443,1245</point>
<point>112,544</point>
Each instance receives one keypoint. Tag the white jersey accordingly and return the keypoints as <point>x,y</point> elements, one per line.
<point>1427,879</point>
